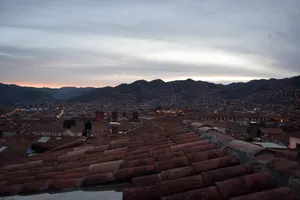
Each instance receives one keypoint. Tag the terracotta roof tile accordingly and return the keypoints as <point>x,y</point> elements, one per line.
<point>146,180</point>
<point>179,185</point>
<point>138,151</point>
<point>285,166</point>
<point>168,156</point>
<point>204,147</point>
<point>77,152</point>
<point>246,147</point>
<point>116,151</point>
<point>185,145</point>
<point>221,174</point>
<point>195,138</point>
<point>205,155</point>
<point>244,185</point>
<point>34,187</point>
<point>91,157</point>
<point>177,172</point>
<point>111,158</point>
<point>2,183</point>
<point>163,146</point>
<point>20,180</point>
<point>50,159</point>
<point>128,173</point>
<point>10,190</point>
<point>59,184</point>
<point>209,193</point>
<point>70,175</point>
<point>69,145</point>
<point>132,148</point>
<point>42,170</point>
<point>285,193</point>
<point>97,149</point>
<point>161,141</point>
<point>17,173</point>
<point>136,163</point>
<point>74,164</point>
<point>183,136</point>
<point>23,166</point>
<point>172,163</point>
<point>69,158</point>
<point>96,179</point>
<point>138,156</point>
<point>80,169</point>
<point>157,152</point>
<point>118,143</point>
<point>214,163</point>
<point>49,175</point>
<point>138,193</point>
<point>106,167</point>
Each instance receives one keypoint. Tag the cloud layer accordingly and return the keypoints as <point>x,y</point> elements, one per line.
<point>98,43</point>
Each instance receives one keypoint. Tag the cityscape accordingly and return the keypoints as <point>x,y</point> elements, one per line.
<point>268,120</point>
<point>149,100</point>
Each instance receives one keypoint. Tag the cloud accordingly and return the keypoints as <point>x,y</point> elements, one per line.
<point>110,42</point>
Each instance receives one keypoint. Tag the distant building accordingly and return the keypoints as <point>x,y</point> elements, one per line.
<point>253,128</point>
<point>114,116</point>
<point>135,115</point>
<point>294,140</point>
<point>268,132</point>
<point>55,129</point>
<point>99,115</point>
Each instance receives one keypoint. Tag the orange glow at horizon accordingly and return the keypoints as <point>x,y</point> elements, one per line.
<point>39,85</point>
<point>50,85</point>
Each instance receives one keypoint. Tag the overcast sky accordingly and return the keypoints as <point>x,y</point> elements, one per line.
<point>108,42</point>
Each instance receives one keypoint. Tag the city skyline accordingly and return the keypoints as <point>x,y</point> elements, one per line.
<point>97,44</point>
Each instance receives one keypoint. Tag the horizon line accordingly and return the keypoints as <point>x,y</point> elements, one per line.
<point>55,86</point>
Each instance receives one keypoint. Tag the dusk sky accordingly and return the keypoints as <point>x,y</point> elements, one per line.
<point>107,42</point>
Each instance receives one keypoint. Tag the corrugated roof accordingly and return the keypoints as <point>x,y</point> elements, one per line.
<point>270,145</point>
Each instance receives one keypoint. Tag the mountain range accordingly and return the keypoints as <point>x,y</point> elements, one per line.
<point>143,90</point>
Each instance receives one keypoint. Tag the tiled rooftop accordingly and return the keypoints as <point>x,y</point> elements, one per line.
<point>167,165</point>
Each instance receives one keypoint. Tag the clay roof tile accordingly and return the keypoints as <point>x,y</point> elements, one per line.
<point>177,173</point>
<point>168,156</point>
<point>246,147</point>
<point>221,174</point>
<point>185,145</point>
<point>136,163</point>
<point>34,187</point>
<point>214,163</point>
<point>128,173</point>
<point>285,193</point>
<point>138,193</point>
<point>97,179</point>
<point>169,187</point>
<point>146,180</point>
<point>208,193</point>
<point>205,155</point>
<point>106,167</point>
<point>204,147</point>
<point>172,163</point>
<point>244,185</point>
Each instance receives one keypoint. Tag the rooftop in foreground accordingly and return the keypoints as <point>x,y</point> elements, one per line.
<point>176,162</point>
